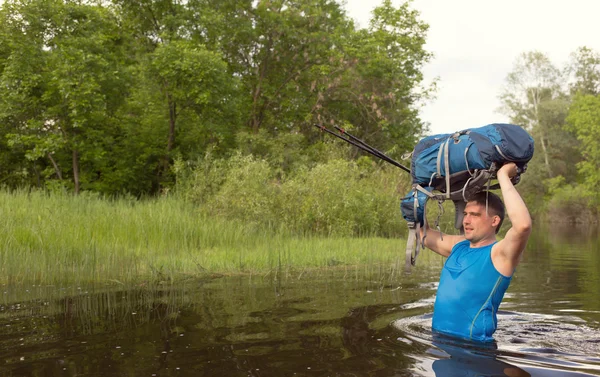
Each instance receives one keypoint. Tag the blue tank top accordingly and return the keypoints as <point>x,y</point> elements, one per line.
<point>469,293</point>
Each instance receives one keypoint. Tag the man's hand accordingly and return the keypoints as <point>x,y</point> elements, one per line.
<point>510,169</point>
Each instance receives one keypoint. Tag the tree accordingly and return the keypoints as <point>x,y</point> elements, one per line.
<point>194,80</point>
<point>584,120</point>
<point>291,42</point>
<point>381,84</point>
<point>61,106</point>
<point>183,87</point>
<point>584,69</point>
<point>534,82</point>
<point>21,84</point>
<point>153,22</point>
<point>104,95</point>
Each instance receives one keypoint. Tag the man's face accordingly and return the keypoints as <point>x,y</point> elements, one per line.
<point>478,224</point>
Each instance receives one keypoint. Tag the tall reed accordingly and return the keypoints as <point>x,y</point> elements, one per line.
<point>49,238</point>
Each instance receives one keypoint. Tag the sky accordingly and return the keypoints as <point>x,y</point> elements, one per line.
<point>476,43</point>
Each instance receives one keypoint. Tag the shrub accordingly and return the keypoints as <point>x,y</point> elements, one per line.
<point>570,203</point>
<point>247,191</point>
<point>338,197</point>
<point>199,181</point>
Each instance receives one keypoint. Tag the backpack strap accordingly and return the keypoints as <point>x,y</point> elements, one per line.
<point>411,245</point>
<point>447,166</point>
<point>414,242</point>
<point>444,154</point>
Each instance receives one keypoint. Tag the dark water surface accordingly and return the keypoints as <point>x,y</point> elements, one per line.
<point>368,321</point>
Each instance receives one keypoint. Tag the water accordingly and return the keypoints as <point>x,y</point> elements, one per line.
<point>367,321</point>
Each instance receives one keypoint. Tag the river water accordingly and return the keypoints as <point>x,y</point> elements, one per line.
<point>366,321</point>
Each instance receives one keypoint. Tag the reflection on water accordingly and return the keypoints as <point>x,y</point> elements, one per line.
<point>462,358</point>
<point>324,324</point>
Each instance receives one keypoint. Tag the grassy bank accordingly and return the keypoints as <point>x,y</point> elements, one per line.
<point>49,238</point>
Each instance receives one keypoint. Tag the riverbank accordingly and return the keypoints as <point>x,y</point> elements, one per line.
<point>48,238</point>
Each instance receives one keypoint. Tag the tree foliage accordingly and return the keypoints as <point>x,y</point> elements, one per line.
<point>63,81</point>
<point>533,84</point>
<point>584,69</point>
<point>558,106</point>
<point>584,120</point>
<point>106,96</point>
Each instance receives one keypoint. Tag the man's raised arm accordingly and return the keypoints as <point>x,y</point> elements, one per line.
<point>512,246</point>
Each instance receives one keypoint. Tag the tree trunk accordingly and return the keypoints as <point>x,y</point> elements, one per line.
<point>536,98</point>
<point>546,160</point>
<point>37,175</point>
<point>261,73</point>
<point>255,115</point>
<point>56,169</point>
<point>171,139</point>
<point>76,171</point>
<point>172,120</point>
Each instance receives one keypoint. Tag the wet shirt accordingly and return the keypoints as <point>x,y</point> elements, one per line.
<point>469,294</point>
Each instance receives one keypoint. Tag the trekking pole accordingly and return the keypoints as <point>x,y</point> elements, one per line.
<point>374,151</point>
<point>363,146</point>
<point>322,128</point>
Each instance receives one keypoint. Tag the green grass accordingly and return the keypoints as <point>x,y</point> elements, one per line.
<point>58,238</point>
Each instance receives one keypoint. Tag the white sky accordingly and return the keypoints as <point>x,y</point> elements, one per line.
<point>476,42</point>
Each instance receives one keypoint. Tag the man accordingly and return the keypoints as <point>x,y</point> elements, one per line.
<point>479,269</point>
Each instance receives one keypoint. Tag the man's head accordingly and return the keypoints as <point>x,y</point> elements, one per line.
<point>478,223</point>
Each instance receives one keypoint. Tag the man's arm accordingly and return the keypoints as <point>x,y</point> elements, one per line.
<point>439,242</point>
<point>512,246</point>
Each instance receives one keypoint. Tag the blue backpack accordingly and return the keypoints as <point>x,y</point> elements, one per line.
<point>456,166</point>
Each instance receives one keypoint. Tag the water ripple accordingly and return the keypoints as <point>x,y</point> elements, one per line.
<point>534,344</point>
